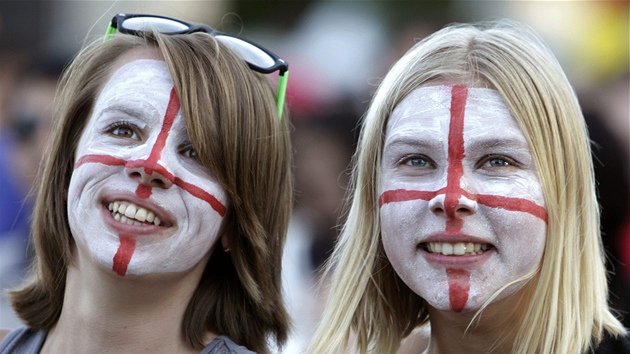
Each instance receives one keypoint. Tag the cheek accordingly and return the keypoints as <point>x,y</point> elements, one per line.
<point>400,226</point>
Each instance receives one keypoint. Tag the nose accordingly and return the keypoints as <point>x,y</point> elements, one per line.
<point>149,174</point>
<point>452,205</point>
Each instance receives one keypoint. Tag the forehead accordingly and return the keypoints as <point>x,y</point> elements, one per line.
<point>428,108</point>
<point>140,75</point>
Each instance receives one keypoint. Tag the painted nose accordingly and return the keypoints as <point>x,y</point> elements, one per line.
<point>452,205</point>
<point>149,174</point>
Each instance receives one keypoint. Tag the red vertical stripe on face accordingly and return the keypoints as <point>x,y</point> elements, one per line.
<point>458,288</point>
<point>143,191</point>
<point>123,255</point>
<point>160,142</point>
<point>458,279</point>
<point>455,151</point>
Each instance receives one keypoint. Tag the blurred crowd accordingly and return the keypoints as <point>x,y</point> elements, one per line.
<point>337,52</point>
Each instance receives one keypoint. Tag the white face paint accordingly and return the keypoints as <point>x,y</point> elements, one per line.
<point>118,161</point>
<point>454,183</point>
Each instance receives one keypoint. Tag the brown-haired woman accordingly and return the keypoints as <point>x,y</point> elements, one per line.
<point>154,228</point>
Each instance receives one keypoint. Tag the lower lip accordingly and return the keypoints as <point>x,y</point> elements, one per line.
<point>122,228</point>
<point>472,261</point>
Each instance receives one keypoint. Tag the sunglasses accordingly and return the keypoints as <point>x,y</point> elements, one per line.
<point>257,58</point>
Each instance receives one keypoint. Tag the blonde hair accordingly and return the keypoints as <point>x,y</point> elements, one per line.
<point>567,309</point>
<point>233,124</point>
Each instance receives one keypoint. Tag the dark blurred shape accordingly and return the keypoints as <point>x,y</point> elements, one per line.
<point>613,187</point>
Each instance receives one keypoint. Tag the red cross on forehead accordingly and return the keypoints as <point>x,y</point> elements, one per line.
<point>151,164</point>
<point>455,170</point>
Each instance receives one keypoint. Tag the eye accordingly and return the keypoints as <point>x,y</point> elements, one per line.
<point>418,161</point>
<point>189,152</point>
<point>496,161</point>
<point>123,129</point>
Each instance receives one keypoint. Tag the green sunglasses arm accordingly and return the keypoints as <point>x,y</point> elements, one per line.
<point>281,92</point>
<point>110,32</point>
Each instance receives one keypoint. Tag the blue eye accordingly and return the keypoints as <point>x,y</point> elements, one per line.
<point>418,161</point>
<point>496,161</point>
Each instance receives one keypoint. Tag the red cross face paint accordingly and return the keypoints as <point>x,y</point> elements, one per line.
<point>139,202</point>
<point>461,206</point>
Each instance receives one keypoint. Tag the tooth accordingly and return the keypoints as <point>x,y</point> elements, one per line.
<point>117,217</point>
<point>156,221</point>
<point>130,221</point>
<point>137,223</point>
<point>130,212</point>
<point>437,248</point>
<point>484,247</point>
<point>141,214</point>
<point>116,205</point>
<point>447,249</point>
<point>477,247</point>
<point>123,219</point>
<point>470,248</point>
<point>110,207</point>
<point>459,249</point>
<point>122,208</point>
<point>150,216</point>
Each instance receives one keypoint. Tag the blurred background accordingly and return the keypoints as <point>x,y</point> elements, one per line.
<point>338,51</point>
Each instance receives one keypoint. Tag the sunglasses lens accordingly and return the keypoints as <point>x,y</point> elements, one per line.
<point>161,25</point>
<point>247,52</point>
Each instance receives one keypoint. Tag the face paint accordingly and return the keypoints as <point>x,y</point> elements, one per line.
<point>462,209</point>
<point>135,152</point>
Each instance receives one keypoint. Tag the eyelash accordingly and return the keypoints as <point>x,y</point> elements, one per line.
<point>486,159</point>
<point>407,161</point>
<point>111,129</point>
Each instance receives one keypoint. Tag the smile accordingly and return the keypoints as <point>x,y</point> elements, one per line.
<point>457,249</point>
<point>131,214</point>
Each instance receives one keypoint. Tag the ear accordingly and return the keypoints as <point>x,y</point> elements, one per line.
<point>225,242</point>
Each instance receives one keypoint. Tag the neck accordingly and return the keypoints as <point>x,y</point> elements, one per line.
<point>493,331</point>
<point>103,312</point>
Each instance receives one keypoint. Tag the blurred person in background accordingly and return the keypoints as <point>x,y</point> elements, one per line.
<point>24,133</point>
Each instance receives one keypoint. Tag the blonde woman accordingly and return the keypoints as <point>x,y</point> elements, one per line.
<point>474,220</point>
<point>153,229</point>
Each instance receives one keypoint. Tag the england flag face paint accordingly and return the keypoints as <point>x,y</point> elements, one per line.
<point>462,209</point>
<point>139,202</point>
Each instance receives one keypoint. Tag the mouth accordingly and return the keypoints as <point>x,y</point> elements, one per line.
<point>131,214</point>
<point>457,248</point>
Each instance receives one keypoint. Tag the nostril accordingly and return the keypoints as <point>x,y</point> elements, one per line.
<point>157,182</point>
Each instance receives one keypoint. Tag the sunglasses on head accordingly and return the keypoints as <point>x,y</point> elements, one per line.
<point>257,58</point>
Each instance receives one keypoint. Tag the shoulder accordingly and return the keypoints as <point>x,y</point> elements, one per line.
<point>614,345</point>
<point>22,340</point>
<point>224,345</point>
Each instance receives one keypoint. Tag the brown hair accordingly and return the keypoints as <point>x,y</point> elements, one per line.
<point>234,126</point>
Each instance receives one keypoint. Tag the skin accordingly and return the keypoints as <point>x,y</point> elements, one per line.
<point>125,125</point>
<point>457,168</point>
<point>142,309</point>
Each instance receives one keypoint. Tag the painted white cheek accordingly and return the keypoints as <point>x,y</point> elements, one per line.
<point>85,219</point>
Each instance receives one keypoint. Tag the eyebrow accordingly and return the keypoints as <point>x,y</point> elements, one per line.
<point>130,111</point>
<point>503,142</point>
<point>408,141</point>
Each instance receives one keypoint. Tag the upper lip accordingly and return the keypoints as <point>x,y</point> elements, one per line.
<point>444,237</point>
<point>166,218</point>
